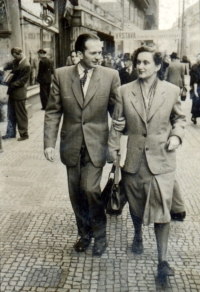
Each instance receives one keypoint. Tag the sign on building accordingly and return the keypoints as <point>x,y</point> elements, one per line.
<point>147,35</point>
<point>42,1</point>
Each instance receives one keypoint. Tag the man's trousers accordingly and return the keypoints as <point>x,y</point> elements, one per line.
<point>44,93</point>
<point>17,115</point>
<point>85,195</point>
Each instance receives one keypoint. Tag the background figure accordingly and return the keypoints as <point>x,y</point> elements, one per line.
<point>109,62</point>
<point>128,73</point>
<point>17,113</point>
<point>73,59</point>
<point>83,94</point>
<point>175,72</point>
<point>44,77</point>
<point>195,90</point>
<point>187,65</point>
<point>119,64</point>
<point>148,173</point>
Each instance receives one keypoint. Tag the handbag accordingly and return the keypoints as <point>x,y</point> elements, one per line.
<point>113,196</point>
<point>183,93</point>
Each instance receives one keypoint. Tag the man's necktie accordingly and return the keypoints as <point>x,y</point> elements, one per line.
<point>84,78</point>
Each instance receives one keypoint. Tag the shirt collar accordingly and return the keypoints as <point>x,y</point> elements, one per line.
<point>81,70</point>
<point>22,60</point>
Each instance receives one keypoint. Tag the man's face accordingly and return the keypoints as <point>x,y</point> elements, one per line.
<point>127,63</point>
<point>90,57</point>
<point>16,56</point>
<point>146,66</point>
<point>109,56</point>
<point>73,58</point>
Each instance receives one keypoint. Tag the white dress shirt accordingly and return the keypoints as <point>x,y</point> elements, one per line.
<point>89,75</point>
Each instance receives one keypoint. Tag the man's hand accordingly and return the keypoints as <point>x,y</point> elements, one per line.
<point>49,153</point>
<point>173,143</point>
<point>119,124</point>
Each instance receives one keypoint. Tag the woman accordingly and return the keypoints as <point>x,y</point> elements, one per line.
<point>154,126</point>
<point>195,92</point>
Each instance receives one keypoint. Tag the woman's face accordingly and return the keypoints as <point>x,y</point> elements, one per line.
<point>146,66</point>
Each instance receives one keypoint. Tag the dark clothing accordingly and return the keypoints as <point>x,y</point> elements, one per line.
<point>195,79</point>
<point>17,113</point>
<point>125,77</point>
<point>17,88</point>
<point>44,93</point>
<point>44,78</point>
<point>85,195</point>
<point>45,70</point>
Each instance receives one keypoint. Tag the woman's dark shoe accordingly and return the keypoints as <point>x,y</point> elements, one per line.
<point>100,245</point>
<point>194,120</point>
<point>164,270</point>
<point>82,244</point>
<point>7,137</point>
<point>178,216</point>
<point>137,246</point>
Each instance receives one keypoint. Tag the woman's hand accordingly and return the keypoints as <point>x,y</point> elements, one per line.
<point>119,124</point>
<point>49,153</point>
<point>173,143</point>
<point>196,94</point>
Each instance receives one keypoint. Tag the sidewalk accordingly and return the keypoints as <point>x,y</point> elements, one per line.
<point>39,230</point>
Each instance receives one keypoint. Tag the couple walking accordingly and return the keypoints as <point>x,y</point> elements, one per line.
<point>83,94</point>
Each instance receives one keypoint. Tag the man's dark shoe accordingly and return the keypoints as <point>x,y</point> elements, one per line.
<point>164,270</point>
<point>82,244</point>
<point>100,245</point>
<point>178,216</point>
<point>22,138</point>
<point>137,246</point>
<point>194,120</point>
<point>7,137</point>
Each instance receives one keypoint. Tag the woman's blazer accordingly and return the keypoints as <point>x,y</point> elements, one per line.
<point>149,135</point>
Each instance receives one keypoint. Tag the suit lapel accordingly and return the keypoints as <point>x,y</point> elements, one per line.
<point>137,101</point>
<point>93,85</point>
<point>157,100</point>
<point>76,86</point>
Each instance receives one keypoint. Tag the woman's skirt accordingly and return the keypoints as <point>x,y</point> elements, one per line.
<point>149,195</point>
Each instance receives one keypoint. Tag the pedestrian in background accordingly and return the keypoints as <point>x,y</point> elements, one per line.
<point>187,64</point>
<point>128,73</point>
<point>155,127</point>
<point>73,59</point>
<point>83,95</point>
<point>195,90</point>
<point>175,72</point>
<point>17,90</point>
<point>44,77</point>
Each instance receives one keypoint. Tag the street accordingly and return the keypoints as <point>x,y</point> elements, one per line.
<point>39,230</point>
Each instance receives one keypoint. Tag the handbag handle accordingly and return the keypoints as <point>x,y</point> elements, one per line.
<point>117,168</point>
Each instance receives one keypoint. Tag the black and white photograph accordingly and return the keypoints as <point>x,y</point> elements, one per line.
<point>100,145</point>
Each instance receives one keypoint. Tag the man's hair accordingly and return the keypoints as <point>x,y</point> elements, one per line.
<point>82,39</point>
<point>16,50</point>
<point>157,57</point>
<point>73,51</point>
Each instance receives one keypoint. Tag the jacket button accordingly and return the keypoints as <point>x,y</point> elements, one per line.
<point>145,135</point>
<point>83,123</point>
<point>147,149</point>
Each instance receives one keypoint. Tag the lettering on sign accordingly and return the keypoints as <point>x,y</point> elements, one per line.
<point>147,35</point>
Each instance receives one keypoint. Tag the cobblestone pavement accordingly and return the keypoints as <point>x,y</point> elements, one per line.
<point>38,227</point>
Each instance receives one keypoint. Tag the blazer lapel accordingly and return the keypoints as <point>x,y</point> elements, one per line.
<point>76,86</point>
<point>157,100</point>
<point>137,101</point>
<point>93,86</point>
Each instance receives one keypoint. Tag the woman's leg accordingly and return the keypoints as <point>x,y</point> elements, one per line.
<point>137,246</point>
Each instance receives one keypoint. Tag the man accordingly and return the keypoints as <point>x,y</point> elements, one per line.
<point>175,75</point>
<point>72,59</point>
<point>83,94</point>
<point>128,73</point>
<point>44,77</point>
<point>175,71</point>
<point>17,113</point>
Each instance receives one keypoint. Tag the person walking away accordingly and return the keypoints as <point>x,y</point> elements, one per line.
<point>83,94</point>
<point>17,90</point>
<point>149,169</point>
<point>44,77</point>
<point>195,90</point>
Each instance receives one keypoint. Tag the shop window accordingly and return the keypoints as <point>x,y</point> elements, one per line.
<point>36,38</point>
<point>3,17</point>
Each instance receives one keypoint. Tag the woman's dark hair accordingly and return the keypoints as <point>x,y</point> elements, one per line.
<point>82,39</point>
<point>157,57</point>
